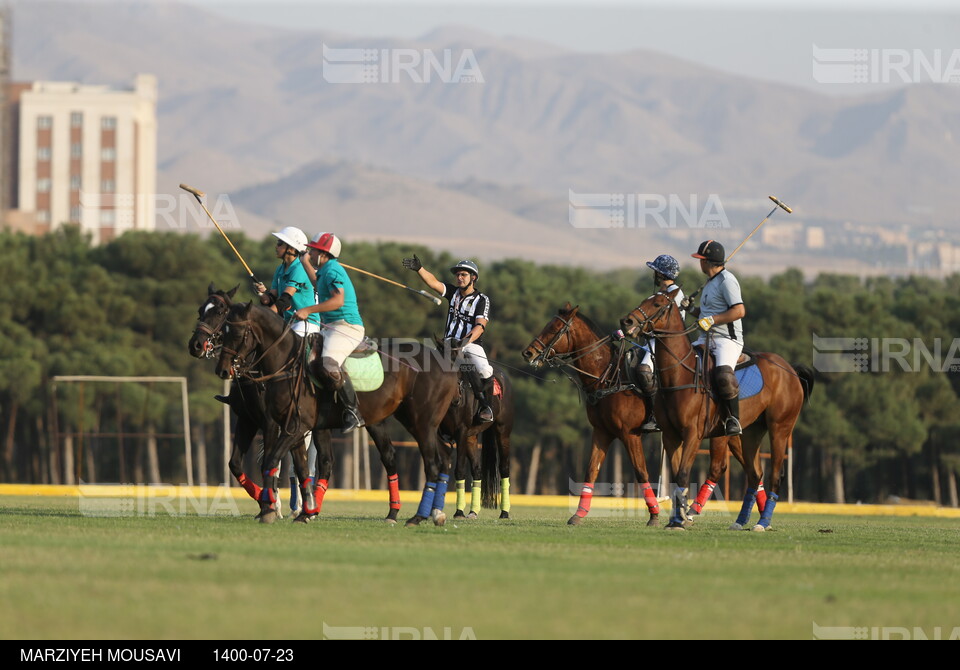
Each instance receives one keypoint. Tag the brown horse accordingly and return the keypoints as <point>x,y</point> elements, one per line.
<point>417,390</point>
<point>687,414</point>
<point>614,408</point>
<point>491,468</point>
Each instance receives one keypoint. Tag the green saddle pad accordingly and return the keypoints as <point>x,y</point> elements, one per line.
<point>365,372</point>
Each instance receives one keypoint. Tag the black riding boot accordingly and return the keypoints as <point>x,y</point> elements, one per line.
<point>731,426</point>
<point>479,386</point>
<point>348,398</point>
<point>648,389</point>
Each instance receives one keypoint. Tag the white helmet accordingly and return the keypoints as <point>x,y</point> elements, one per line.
<point>326,242</point>
<point>294,237</point>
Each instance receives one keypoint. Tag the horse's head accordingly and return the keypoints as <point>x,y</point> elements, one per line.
<point>239,341</point>
<point>650,315</point>
<point>553,339</point>
<point>212,314</point>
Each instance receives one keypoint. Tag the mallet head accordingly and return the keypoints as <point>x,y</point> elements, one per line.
<point>190,189</point>
<point>780,204</point>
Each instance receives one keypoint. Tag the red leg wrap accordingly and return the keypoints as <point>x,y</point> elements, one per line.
<point>586,497</point>
<point>319,492</point>
<point>703,496</point>
<point>650,498</point>
<point>252,489</point>
<point>393,483</point>
<point>761,498</point>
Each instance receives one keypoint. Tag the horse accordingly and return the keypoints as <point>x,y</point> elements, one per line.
<point>459,427</point>
<point>615,409</point>
<point>246,397</point>
<point>418,395</point>
<point>686,414</point>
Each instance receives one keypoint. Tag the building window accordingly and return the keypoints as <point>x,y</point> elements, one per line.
<point>43,153</point>
<point>43,185</point>
<point>75,214</point>
<point>107,186</point>
<point>76,150</point>
<point>106,217</point>
<point>108,154</point>
<point>75,182</point>
<point>44,122</point>
<point>76,119</point>
<point>43,216</point>
<point>108,123</point>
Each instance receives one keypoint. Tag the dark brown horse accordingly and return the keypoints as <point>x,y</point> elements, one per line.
<point>417,389</point>
<point>687,414</point>
<point>246,398</point>
<point>491,468</point>
<point>614,408</point>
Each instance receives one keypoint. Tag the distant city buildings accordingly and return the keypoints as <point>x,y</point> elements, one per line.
<point>84,155</point>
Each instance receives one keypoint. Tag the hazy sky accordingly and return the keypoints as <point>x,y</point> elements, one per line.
<point>769,39</point>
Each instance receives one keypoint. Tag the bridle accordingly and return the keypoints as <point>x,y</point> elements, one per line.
<point>241,368</point>
<point>546,354</point>
<point>213,341</point>
<point>663,335</point>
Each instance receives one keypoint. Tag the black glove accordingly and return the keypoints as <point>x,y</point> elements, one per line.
<point>267,299</point>
<point>694,312</point>
<point>412,263</point>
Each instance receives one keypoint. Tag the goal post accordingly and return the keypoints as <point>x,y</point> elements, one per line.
<point>185,403</point>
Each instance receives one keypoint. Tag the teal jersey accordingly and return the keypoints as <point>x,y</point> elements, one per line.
<point>296,276</point>
<point>333,276</point>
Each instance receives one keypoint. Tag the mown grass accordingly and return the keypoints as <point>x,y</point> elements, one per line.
<point>64,575</point>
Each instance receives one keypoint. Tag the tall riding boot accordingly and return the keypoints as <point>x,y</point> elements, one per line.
<point>731,425</point>
<point>348,397</point>
<point>485,415</point>
<point>648,389</point>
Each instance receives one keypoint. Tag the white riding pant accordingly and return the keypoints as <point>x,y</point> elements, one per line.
<point>724,350</point>
<point>473,353</point>
<point>304,328</point>
<point>340,339</point>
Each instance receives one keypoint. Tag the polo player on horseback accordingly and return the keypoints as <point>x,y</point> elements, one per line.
<point>466,323</point>
<point>720,317</point>
<point>336,305</point>
<point>666,269</point>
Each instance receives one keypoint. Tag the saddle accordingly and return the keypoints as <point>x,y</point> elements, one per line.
<point>365,369</point>
<point>747,373</point>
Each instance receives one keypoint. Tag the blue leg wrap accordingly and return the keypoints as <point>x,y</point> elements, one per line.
<point>440,497</point>
<point>768,510</point>
<point>426,501</point>
<point>679,504</point>
<point>748,501</point>
<point>294,493</point>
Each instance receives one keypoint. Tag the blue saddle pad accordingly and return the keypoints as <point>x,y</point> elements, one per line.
<point>750,380</point>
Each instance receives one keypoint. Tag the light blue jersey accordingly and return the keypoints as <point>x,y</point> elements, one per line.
<point>331,275</point>
<point>296,276</point>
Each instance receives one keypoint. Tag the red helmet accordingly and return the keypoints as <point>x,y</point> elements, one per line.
<point>326,242</point>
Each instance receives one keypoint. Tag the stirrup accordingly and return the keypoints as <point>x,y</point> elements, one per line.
<point>351,421</point>
<point>650,426</point>
<point>485,415</point>
<point>222,398</point>
<point>732,426</point>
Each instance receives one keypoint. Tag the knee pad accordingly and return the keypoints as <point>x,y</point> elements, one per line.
<point>332,370</point>
<point>726,381</point>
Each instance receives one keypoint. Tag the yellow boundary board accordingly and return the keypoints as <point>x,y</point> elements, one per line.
<point>633,506</point>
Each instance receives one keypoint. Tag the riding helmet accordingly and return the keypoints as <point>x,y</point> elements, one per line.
<point>293,237</point>
<point>665,265</point>
<point>326,242</point>
<point>469,266</point>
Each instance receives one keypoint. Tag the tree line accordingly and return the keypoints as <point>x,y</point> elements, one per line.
<point>128,307</point>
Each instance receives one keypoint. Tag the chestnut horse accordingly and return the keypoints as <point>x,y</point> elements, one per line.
<point>615,408</point>
<point>687,414</point>
<point>417,390</point>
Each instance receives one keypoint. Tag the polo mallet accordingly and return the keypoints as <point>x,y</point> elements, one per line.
<point>778,204</point>
<point>199,194</point>
<point>426,295</point>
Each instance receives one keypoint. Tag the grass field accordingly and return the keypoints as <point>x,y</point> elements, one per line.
<point>64,575</point>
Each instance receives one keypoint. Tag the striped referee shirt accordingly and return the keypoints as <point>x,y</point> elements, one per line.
<point>464,312</point>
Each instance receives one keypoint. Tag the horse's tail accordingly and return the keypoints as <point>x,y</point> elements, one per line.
<point>490,469</point>
<point>807,377</point>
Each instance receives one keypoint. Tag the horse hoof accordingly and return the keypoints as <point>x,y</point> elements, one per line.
<point>688,522</point>
<point>439,518</point>
<point>305,517</point>
<point>758,528</point>
<point>654,520</point>
<point>472,515</point>
<point>390,522</point>
<point>675,524</point>
<point>392,516</point>
<point>735,526</point>
<point>269,516</point>
<point>575,520</point>
<point>504,514</point>
<point>414,521</point>
<point>459,514</point>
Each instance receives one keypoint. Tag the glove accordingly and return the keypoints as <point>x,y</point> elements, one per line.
<point>617,335</point>
<point>412,263</point>
<point>706,322</point>
<point>267,299</point>
<point>694,311</point>
<point>686,302</point>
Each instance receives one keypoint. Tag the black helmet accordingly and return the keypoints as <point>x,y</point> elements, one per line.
<point>469,266</point>
<point>711,250</point>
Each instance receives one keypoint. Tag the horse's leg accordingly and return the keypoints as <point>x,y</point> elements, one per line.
<point>321,453</point>
<point>718,465</point>
<point>598,452</point>
<point>780,438</point>
<point>462,468</point>
<point>274,446</point>
<point>301,466</point>
<point>634,446</point>
<point>691,438</point>
<point>444,462</point>
<point>388,457</point>
<point>246,430</point>
<point>503,454</point>
<point>750,440</point>
<point>288,467</point>
<point>470,457</point>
